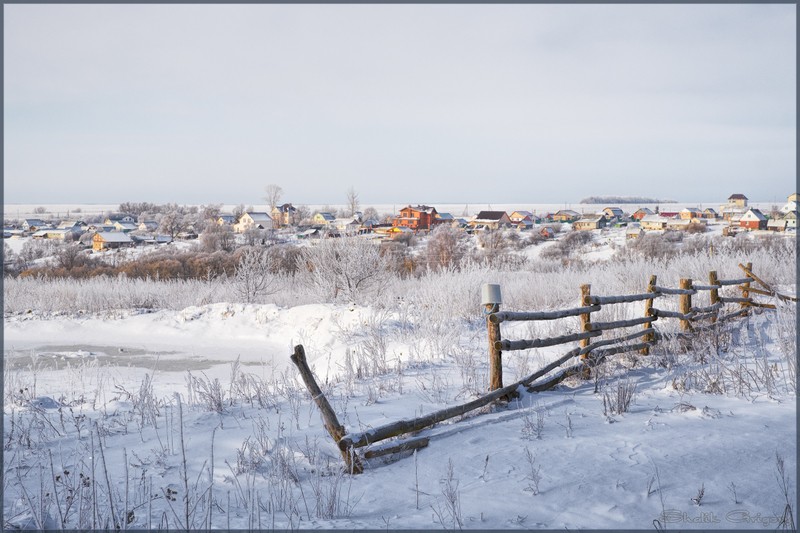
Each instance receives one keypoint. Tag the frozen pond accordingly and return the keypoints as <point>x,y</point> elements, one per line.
<point>55,357</point>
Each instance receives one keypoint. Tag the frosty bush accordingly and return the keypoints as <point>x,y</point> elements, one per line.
<point>345,268</point>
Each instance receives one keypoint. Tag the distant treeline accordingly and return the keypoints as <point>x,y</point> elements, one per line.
<point>624,200</point>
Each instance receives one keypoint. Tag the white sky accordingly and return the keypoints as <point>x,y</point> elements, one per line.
<point>405,103</point>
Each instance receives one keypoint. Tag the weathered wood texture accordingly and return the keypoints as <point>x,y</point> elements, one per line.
<point>714,293</point>
<point>509,345</point>
<point>685,302</point>
<point>648,312</point>
<point>586,318</point>
<point>495,353</point>
<point>745,287</point>
<point>666,290</point>
<point>329,418</point>
<point>397,447</point>
<point>605,300</point>
<point>507,316</point>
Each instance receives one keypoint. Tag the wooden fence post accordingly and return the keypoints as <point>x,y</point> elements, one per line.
<point>746,286</point>
<point>713,293</point>
<point>329,418</point>
<point>648,311</point>
<point>685,303</point>
<point>586,324</point>
<point>491,299</point>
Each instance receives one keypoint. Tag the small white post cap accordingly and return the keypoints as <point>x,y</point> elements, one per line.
<point>490,294</point>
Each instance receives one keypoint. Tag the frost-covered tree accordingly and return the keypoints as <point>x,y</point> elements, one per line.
<point>253,277</point>
<point>352,201</point>
<point>445,247</point>
<point>273,195</point>
<point>347,268</point>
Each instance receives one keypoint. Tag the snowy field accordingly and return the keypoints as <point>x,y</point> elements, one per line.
<point>190,414</point>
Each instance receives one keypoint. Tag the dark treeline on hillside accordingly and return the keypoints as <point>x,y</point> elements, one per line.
<point>624,200</point>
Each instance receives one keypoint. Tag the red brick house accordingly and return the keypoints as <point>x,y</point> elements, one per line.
<point>418,217</point>
<point>753,219</point>
<point>639,214</point>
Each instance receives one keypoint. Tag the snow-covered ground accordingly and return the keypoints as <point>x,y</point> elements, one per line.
<point>114,412</point>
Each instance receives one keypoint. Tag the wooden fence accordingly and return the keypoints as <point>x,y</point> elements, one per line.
<point>692,320</point>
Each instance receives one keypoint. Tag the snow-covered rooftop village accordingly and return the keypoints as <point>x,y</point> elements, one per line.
<point>605,364</point>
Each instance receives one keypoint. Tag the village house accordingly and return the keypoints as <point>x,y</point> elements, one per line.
<point>791,219</point>
<point>52,233</point>
<point>445,218</point>
<point>253,220</point>
<point>519,216</point>
<point>284,215</point>
<point>776,224</point>
<point>653,222</point>
<point>753,219</point>
<point>148,225</point>
<point>589,223</point>
<point>125,227</point>
<point>735,208</point>
<point>523,225</point>
<point>690,213</point>
<point>737,200</point>
<point>324,218</point>
<point>490,220</point>
<point>34,224</point>
<point>791,203</point>
<point>347,226</point>
<point>547,232</point>
<point>119,217</point>
<point>634,231</point>
<point>710,213</point>
<point>110,240</point>
<point>420,217</point>
<point>226,220</point>
<point>566,215</point>
<point>679,224</point>
<point>610,213</point>
<point>642,212</point>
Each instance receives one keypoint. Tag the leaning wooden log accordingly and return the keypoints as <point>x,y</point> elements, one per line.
<point>731,300</point>
<point>768,293</point>
<point>735,314</point>
<point>329,418</point>
<point>401,427</point>
<point>508,345</point>
<point>600,326</point>
<point>508,316</point>
<point>757,291</point>
<point>397,447</point>
<point>748,270</point>
<point>603,300</point>
<point>765,306</point>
